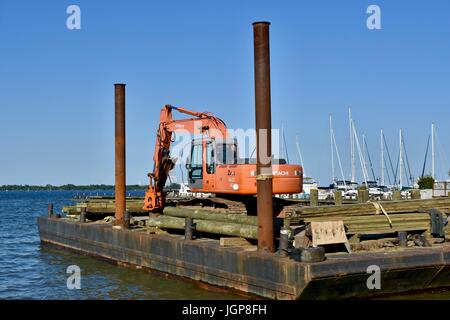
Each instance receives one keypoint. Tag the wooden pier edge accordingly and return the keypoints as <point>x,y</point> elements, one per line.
<point>244,269</point>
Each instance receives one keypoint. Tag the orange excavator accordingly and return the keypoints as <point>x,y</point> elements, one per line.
<point>213,165</point>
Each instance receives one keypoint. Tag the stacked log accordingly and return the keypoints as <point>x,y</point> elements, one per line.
<point>216,227</point>
<point>380,224</point>
<point>369,218</point>
<point>207,221</point>
<point>203,214</point>
<point>104,207</point>
<point>368,208</point>
<point>211,221</point>
<point>362,218</point>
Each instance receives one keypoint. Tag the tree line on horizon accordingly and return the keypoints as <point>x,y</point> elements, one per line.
<point>49,187</point>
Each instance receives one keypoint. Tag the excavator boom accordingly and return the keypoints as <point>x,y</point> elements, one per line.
<point>200,123</point>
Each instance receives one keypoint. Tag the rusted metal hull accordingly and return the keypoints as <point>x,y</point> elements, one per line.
<point>265,275</point>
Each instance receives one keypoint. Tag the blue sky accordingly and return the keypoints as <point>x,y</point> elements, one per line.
<point>56,85</point>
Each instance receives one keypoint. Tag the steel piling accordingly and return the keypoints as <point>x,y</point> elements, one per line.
<point>263,136</point>
<point>120,173</point>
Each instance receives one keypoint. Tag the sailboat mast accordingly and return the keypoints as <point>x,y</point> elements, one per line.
<point>364,151</point>
<point>382,159</point>
<point>282,142</point>
<point>361,158</point>
<point>352,146</point>
<point>300,155</point>
<point>433,172</point>
<point>285,145</point>
<point>333,173</point>
<point>401,160</point>
<point>339,159</point>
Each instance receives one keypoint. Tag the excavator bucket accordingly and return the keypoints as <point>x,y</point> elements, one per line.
<point>154,200</point>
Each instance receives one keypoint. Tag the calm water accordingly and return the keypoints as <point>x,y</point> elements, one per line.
<point>29,271</point>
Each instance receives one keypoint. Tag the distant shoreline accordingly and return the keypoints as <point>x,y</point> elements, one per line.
<point>65,187</point>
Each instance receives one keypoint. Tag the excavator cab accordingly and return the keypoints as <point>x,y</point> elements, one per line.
<point>206,154</point>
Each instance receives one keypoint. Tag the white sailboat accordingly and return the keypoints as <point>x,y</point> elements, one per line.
<point>442,182</point>
<point>345,186</point>
<point>308,182</point>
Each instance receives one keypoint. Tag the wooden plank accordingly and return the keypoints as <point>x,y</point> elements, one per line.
<point>234,242</point>
<point>328,232</point>
<point>390,206</point>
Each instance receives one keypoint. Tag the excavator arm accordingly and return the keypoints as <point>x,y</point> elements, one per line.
<point>203,123</point>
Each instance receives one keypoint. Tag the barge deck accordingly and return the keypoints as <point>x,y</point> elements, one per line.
<point>341,276</point>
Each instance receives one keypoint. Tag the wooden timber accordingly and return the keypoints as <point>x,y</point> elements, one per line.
<point>362,218</point>
<point>205,214</point>
<point>234,242</point>
<point>102,207</point>
<point>368,218</point>
<point>105,205</point>
<point>215,227</point>
<point>405,206</point>
<point>379,224</point>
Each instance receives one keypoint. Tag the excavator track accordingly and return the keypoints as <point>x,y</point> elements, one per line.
<point>244,206</point>
<point>214,204</point>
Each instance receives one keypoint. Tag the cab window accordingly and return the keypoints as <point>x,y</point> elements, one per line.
<point>210,163</point>
<point>196,161</point>
<point>226,153</point>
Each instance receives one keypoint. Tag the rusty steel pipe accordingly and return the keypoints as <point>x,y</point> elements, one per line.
<point>120,173</point>
<point>263,137</point>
